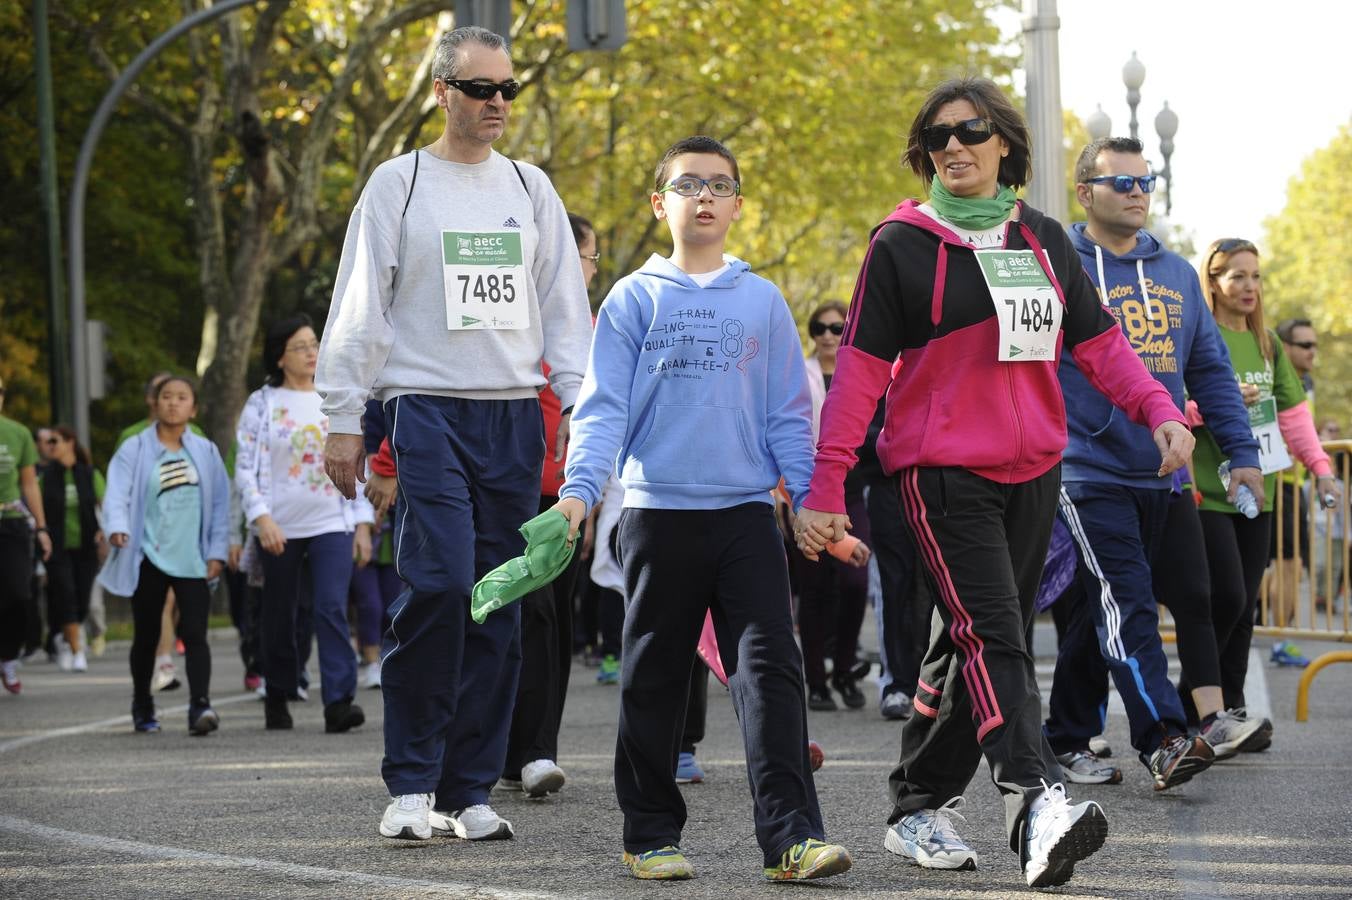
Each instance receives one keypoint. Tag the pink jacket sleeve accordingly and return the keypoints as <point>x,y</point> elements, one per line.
<point>1297,428</point>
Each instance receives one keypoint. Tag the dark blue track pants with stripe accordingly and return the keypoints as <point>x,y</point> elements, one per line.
<point>1117,530</point>
<point>469,477</point>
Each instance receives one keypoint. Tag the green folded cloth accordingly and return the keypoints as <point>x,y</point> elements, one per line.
<point>547,553</point>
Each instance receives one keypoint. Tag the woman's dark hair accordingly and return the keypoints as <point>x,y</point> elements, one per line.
<point>826,307</point>
<point>581,227</point>
<point>1016,169</point>
<point>274,345</point>
<point>182,379</point>
<point>67,433</point>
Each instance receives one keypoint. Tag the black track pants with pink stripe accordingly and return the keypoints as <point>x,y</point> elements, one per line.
<point>983,544</point>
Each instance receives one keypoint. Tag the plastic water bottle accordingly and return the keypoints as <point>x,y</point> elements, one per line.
<point>1244,499</point>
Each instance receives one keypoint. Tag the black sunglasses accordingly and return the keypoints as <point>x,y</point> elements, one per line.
<point>484,90</point>
<point>1304,345</point>
<point>817,329</point>
<point>1228,246</point>
<point>1123,183</point>
<point>968,132</point>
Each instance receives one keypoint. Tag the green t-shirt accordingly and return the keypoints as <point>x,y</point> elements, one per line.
<point>16,451</point>
<point>1275,378</point>
<point>73,506</point>
<point>132,431</point>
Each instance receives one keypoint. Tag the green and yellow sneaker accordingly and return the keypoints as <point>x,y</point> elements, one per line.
<point>810,859</point>
<point>665,864</point>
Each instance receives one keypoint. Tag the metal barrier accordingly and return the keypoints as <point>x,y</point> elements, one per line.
<point>1308,596</point>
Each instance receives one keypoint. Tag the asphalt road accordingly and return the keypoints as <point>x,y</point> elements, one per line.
<point>90,809</point>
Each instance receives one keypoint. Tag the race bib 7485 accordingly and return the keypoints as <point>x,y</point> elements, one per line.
<point>484,277</point>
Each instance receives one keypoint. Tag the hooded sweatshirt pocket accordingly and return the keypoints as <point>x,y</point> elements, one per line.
<point>697,445</point>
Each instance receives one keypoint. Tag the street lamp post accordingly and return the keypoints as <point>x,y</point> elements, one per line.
<point>1166,124</point>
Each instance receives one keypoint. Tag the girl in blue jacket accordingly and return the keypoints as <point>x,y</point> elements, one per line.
<point>166,511</point>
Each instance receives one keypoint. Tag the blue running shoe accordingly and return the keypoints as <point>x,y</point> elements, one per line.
<point>143,718</point>
<point>1285,653</point>
<point>688,770</point>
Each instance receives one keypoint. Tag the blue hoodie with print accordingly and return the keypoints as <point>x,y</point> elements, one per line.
<point>697,396</point>
<point>1157,300</point>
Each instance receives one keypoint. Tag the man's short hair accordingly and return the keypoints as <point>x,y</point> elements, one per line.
<point>1287,327</point>
<point>581,226</point>
<point>1086,167</point>
<point>696,144</point>
<point>153,383</point>
<point>446,64</point>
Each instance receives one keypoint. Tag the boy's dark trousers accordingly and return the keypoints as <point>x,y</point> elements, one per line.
<point>1117,529</point>
<point>469,477</point>
<point>983,544</point>
<point>678,564</point>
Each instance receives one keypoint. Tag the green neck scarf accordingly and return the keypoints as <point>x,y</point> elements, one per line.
<point>972,213</point>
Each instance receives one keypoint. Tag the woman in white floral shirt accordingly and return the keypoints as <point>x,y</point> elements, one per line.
<point>298,516</point>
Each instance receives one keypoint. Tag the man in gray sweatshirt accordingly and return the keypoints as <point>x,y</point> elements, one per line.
<point>459,274</point>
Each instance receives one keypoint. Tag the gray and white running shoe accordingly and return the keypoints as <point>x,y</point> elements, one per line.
<point>1083,767</point>
<point>927,838</point>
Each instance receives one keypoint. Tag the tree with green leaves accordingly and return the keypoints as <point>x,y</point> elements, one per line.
<point>1307,266</point>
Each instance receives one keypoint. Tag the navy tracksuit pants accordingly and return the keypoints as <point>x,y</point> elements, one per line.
<point>469,477</point>
<point>1116,529</point>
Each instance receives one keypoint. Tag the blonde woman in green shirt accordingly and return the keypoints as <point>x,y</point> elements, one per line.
<point>1237,547</point>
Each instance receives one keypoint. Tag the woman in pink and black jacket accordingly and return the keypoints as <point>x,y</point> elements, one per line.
<point>978,294</point>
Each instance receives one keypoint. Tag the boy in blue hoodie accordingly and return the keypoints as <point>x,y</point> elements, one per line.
<point>1112,499</point>
<point>697,392</point>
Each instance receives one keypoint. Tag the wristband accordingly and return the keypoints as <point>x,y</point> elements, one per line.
<point>41,529</point>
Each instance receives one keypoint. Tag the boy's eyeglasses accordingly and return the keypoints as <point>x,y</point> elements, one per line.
<point>969,132</point>
<point>1304,345</point>
<point>1123,183</point>
<point>484,90</point>
<point>690,186</point>
<point>817,329</point>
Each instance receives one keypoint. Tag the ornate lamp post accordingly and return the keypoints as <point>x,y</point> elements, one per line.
<point>1166,123</point>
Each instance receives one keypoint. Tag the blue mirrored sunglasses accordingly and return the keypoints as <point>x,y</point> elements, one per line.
<point>1122,183</point>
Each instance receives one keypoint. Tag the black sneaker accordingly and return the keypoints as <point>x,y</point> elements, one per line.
<point>821,700</point>
<point>1178,759</point>
<point>342,716</point>
<point>276,717</point>
<point>849,691</point>
<point>202,719</point>
<point>143,717</point>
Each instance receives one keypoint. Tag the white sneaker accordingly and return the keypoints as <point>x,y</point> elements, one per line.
<point>79,662</point>
<point>1083,767</point>
<point>371,679</point>
<point>65,660</point>
<point>1057,835</point>
<point>540,777</point>
<point>406,818</point>
<point>166,676</point>
<point>927,838</point>
<point>474,823</point>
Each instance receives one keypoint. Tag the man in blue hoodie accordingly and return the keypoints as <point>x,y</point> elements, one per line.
<point>1112,499</point>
